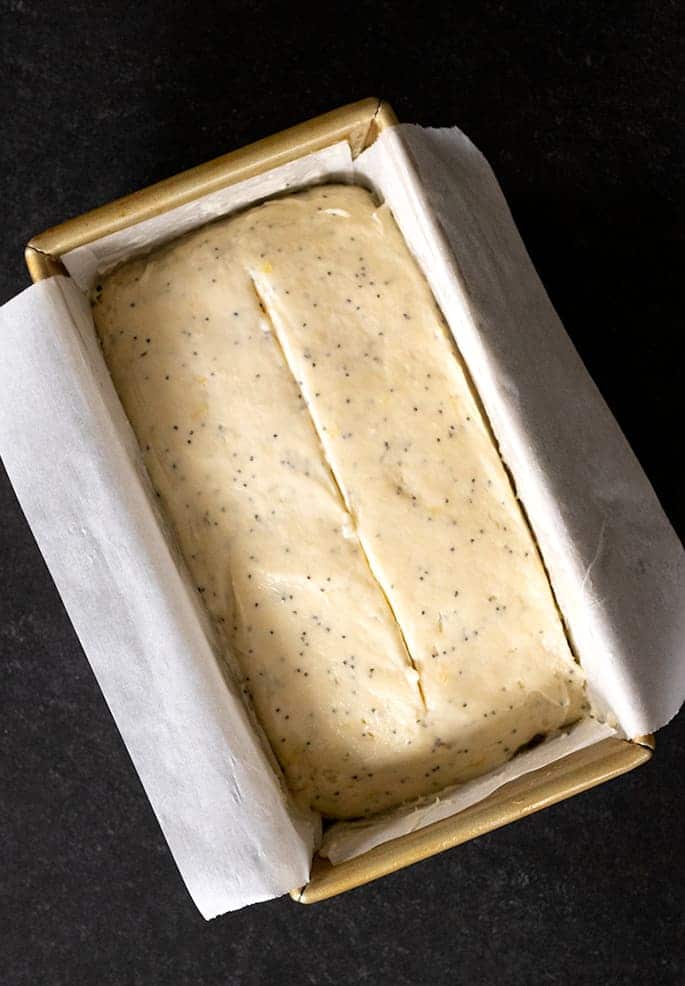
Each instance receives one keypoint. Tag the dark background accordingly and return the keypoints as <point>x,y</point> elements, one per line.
<point>576,107</point>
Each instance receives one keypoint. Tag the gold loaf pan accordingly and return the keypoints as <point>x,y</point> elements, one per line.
<point>359,124</point>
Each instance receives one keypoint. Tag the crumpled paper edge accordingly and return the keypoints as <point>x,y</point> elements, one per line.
<point>230,828</point>
<point>614,560</point>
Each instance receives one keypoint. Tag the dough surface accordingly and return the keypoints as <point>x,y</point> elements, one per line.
<point>336,494</point>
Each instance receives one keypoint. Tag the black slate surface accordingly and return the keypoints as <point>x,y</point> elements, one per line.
<point>576,107</point>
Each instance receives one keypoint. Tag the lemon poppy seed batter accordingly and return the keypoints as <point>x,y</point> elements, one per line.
<point>338,499</point>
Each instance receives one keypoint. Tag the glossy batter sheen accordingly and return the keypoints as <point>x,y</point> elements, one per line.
<point>342,508</point>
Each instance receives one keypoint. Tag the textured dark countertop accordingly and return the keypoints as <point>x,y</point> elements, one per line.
<point>576,107</point>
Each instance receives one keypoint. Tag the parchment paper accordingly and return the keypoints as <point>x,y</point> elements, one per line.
<point>614,562</point>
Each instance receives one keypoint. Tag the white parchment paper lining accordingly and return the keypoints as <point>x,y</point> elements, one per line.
<point>614,561</point>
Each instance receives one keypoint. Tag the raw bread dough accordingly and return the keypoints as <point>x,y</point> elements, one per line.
<point>342,508</point>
